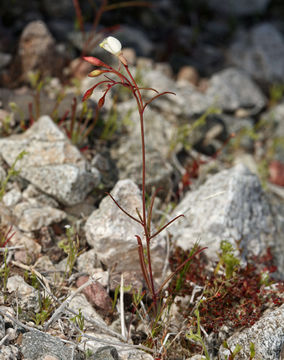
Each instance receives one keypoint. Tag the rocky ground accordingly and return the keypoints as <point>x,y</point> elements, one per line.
<point>71,284</point>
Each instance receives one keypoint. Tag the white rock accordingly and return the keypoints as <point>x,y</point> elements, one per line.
<point>112,234</point>
<point>52,163</point>
<point>230,206</point>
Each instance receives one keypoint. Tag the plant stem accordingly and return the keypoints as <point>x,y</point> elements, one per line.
<point>141,109</point>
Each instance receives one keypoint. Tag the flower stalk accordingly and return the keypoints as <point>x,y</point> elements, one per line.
<point>113,46</point>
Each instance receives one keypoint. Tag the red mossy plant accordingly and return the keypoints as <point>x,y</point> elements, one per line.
<point>236,302</point>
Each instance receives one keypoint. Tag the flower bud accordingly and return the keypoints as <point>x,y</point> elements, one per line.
<point>95,73</point>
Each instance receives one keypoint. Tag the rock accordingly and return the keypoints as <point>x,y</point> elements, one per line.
<point>112,234</point>
<point>36,52</point>
<point>12,197</point>
<point>34,217</point>
<point>188,74</point>
<point>35,197</point>
<point>87,262</point>
<point>266,335</point>
<point>129,163</point>
<point>2,327</point>
<point>80,302</point>
<point>29,244</point>
<point>239,8</point>
<point>276,172</point>
<point>228,89</point>
<point>36,345</point>
<point>96,294</point>
<point>260,52</point>
<point>110,351</point>
<point>52,163</point>
<point>242,128</point>
<point>229,206</point>
<point>142,45</point>
<point>231,89</point>
<point>17,284</point>
<point>10,352</point>
<point>22,99</point>
<point>27,296</point>
<point>5,59</point>
<point>106,353</point>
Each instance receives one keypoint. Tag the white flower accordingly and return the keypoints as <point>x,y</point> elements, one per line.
<point>112,45</point>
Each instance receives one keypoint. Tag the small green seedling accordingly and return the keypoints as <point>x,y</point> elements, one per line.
<point>227,259</point>
<point>79,321</point>
<point>233,353</point>
<point>197,337</point>
<point>70,246</point>
<point>12,172</point>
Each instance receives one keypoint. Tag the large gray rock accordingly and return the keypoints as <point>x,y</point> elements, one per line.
<point>112,234</point>
<point>229,206</point>
<point>228,90</point>
<point>240,7</point>
<point>266,335</point>
<point>260,52</point>
<point>52,163</point>
<point>36,345</point>
<point>231,89</point>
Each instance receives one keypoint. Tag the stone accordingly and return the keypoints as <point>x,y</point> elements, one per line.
<point>239,8</point>
<point>276,173</point>
<point>231,89</point>
<point>230,205</point>
<point>228,90</point>
<point>37,52</point>
<point>24,96</point>
<point>112,233</point>
<point>26,295</point>
<point>10,352</point>
<point>5,59</point>
<point>80,302</point>
<point>32,217</point>
<point>12,197</point>
<point>108,346</point>
<point>87,262</point>
<point>2,327</point>
<point>266,335</point>
<point>96,294</point>
<point>188,74</point>
<point>17,284</point>
<point>36,345</point>
<point>52,163</point>
<point>106,353</point>
<point>129,163</point>
<point>259,52</point>
<point>29,244</point>
<point>142,44</point>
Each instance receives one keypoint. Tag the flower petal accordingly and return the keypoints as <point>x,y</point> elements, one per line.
<point>112,45</point>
